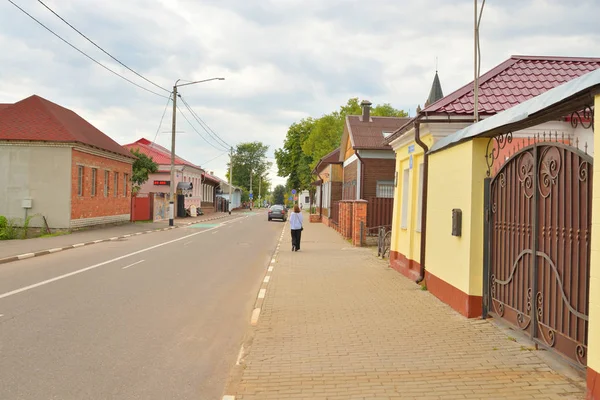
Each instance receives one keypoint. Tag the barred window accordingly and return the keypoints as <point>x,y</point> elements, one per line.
<point>385,189</point>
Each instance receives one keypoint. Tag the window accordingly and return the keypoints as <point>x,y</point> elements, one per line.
<point>80,180</point>
<point>94,174</point>
<point>420,198</point>
<point>404,224</point>
<point>306,199</point>
<point>116,185</point>
<point>106,174</point>
<point>125,180</point>
<point>385,189</point>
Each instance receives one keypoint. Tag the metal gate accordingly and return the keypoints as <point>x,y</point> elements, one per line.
<point>540,204</point>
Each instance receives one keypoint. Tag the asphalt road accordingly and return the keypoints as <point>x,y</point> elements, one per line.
<point>159,316</point>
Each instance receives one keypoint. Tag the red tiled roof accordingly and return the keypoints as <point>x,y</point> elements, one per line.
<point>369,135</point>
<point>159,154</point>
<point>517,79</point>
<point>212,178</point>
<point>37,119</point>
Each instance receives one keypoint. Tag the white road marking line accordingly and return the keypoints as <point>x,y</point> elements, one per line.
<point>79,271</point>
<point>25,256</point>
<point>139,233</point>
<point>228,397</point>
<point>1,315</point>
<point>239,357</point>
<point>255,315</point>
<point>98,241</point>
<point>79,245</point>
<point>114,238</point>
<point>135,263</point>
<point>267,279</point>
<point>272,260</point>
<point>270,269</point>
<point>55,250</point>
<point>262,293</point>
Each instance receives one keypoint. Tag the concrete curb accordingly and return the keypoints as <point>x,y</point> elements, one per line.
<point>20,257</point>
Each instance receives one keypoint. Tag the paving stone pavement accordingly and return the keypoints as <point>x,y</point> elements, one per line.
<point>337,323</point>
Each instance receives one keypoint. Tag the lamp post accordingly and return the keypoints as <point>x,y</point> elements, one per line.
<point>172,183</point>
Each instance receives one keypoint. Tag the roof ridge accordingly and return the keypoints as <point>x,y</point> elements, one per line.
<point>556,58</point>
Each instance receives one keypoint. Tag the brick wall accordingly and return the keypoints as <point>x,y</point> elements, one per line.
<point>359,214</point>
<point>99,209</point>
<point>377,170</point>
<point>350,181</point>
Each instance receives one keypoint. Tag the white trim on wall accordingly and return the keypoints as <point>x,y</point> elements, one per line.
<point>350,160</point>
<point>380,154</point>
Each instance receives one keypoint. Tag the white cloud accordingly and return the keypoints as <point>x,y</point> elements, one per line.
<point>282,59</point>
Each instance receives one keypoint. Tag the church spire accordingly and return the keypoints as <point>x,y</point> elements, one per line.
<point>436,91</point>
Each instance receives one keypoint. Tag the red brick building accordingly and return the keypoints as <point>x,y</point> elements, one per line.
<point>57,165</point>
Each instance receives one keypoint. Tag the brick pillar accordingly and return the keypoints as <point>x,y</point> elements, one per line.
<point>359,214</point>
<point>347,230</point>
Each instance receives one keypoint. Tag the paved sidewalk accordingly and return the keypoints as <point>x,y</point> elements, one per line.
<point>337,323</point>
<point>10,249</point>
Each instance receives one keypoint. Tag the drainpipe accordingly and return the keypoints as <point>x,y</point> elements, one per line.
<point>424,199</point>
<point>362,175</point>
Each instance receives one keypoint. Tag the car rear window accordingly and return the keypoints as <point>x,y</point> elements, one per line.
<point>276,208</point>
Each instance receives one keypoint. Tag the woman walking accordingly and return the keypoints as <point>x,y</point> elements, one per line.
<point>296,228</point>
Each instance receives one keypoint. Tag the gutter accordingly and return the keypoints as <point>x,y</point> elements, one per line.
<point>424,199</point>
<point>362,175</point>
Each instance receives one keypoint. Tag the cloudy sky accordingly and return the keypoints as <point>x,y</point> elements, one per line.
<point>282,59</point>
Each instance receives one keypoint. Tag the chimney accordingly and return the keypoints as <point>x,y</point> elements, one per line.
<point>212,173</point>
<point>366,110</point>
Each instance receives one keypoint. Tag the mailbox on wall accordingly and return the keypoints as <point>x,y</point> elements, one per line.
<point>456,222</point>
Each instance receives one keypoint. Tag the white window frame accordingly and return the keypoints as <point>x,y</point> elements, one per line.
<point>94,180</point>
<point>106,182</point>
<point>116,184</point>
<point>405,196</point>
<point>420,198</point>
<point>80,180</point>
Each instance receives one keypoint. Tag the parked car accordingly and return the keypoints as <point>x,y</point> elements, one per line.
<point>277,212</point>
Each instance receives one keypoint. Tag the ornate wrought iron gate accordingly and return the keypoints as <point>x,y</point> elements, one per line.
<point>540,204</point>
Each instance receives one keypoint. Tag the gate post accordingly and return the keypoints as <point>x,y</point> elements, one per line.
<point>487,237</point>
<point>535,231</point>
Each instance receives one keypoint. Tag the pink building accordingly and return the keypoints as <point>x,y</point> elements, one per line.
<point>203,185</point>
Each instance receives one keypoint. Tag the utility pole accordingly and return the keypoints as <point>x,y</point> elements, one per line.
<point>172,183</point>
<point>259,185</point>
<point>230,178</point>
<point>475,63</point>
<point>251,196</point>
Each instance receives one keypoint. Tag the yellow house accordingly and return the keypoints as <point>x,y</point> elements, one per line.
<point>508,84</point>
<point>517,240</point>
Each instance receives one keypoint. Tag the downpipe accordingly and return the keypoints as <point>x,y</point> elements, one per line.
<point>424,200</point>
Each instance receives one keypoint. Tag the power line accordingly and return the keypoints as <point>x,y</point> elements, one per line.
<point>100,48</point>
<point>214,158</point>
<point>205,126</point>
<point>80,51</point>
<point>161,120</point>
<point>198,132</point>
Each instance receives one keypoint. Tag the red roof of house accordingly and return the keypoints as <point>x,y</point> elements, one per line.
<point>331,158</point>
<point>159,154</point>
<point>517,79</point>
<point>369,135</point>
<point>212,178</point>
<point>38,119</point>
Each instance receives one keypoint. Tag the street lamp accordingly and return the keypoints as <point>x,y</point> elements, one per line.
<point>171,203</point>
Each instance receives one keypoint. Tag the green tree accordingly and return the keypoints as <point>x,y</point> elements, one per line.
<point>143,166</point>
<point>291,160</point>
<point>250,158</point>
<point>279,194</point>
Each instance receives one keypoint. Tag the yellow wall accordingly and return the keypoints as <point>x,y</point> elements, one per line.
<point>408,241</point>
<point>349,150</point>
<point>594,314</point>
<point>456,178</point>
<point>337,172</point>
